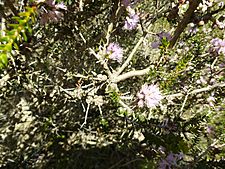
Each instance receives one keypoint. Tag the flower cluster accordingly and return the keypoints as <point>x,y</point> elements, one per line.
<point>149,95</point>
<point>219,23</point>
<point>170,161</point>
<point>205,5</point>
<point>162,37</point>
<point>115,52</point>
<point>218,46</point>
<point>131,20</point>
<point>52,13</point>
<point>127,3</point>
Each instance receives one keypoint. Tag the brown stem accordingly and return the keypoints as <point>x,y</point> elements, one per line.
<point>193,4</point>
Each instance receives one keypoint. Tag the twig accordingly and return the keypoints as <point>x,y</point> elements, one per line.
<point>185,100</point>
<point>129,162</point>
<point>86,115</point>
<point>3,27</point>
<point>126,63</point>
<point>198,90</point>
<point>102,62</point>
<point>115,165</point>
<point>125,106</point>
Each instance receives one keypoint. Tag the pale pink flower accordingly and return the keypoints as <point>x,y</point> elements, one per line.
<point>211,100</point>
<point>161,36</point>
<point>115,52</point>
<point>219,24</point>
<point>131,22</point>
<point>61,6</point>
<point>126,3</point>
<point>149,95</point>
<point>53,14</point>
<point>218,45</point>
<point>170,161</point>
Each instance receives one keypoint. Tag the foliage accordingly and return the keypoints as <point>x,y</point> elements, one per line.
<point>82,90</point>
<point>16,34</point>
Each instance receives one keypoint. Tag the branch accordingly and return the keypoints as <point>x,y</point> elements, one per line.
<point>102,62</point>
<point>130,74</point>
<point>193,4</point>
<point>198,90</point>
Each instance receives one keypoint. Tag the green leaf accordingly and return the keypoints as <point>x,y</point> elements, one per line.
<point>16,46</point>
<point>12,32</point>
<point>29,29</point>
<point>24,14</point>
<point>24,36</point>
<point>16,18</point>
<point>33,19</point>
<point>3,60</point>
<point>2,46</point>
<point>4,39</point>
<point>8,47</point>
<point>22,22</point>
<point>14,25</point>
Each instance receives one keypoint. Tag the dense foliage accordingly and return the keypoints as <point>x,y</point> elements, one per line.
<point>112,84</point>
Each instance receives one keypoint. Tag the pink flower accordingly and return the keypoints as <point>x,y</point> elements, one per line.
<point>115,52</point>
<point>52,14</point>
<point>166,35</point>
<point>126,3</point>
<point>170,161</point>
<point>131,21</point>
<point>161,36</point>
<point>149,95</point>
<point>218,45</point>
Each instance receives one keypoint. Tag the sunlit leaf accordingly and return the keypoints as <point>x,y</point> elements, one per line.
<point>14,25</point>
<point>16,46</point>
<point>29,29</point>
<point>3,60</point>
<point>8,47</point>
<point>24,14</point>
<point>21,22</point>
<point>16,18</point>
<point>24,36</point>
<point>4,39</point>
<point>12,32</point>
<point>2,46</point>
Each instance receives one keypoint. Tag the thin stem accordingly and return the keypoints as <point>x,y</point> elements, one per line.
<point>126,63</point>
<point>204,89</point>
<point>86,115</point>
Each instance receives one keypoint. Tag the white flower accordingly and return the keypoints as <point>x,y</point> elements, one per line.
<point>61,6</point>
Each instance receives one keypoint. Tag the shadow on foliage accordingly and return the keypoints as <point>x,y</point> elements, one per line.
<point>78,158</point>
